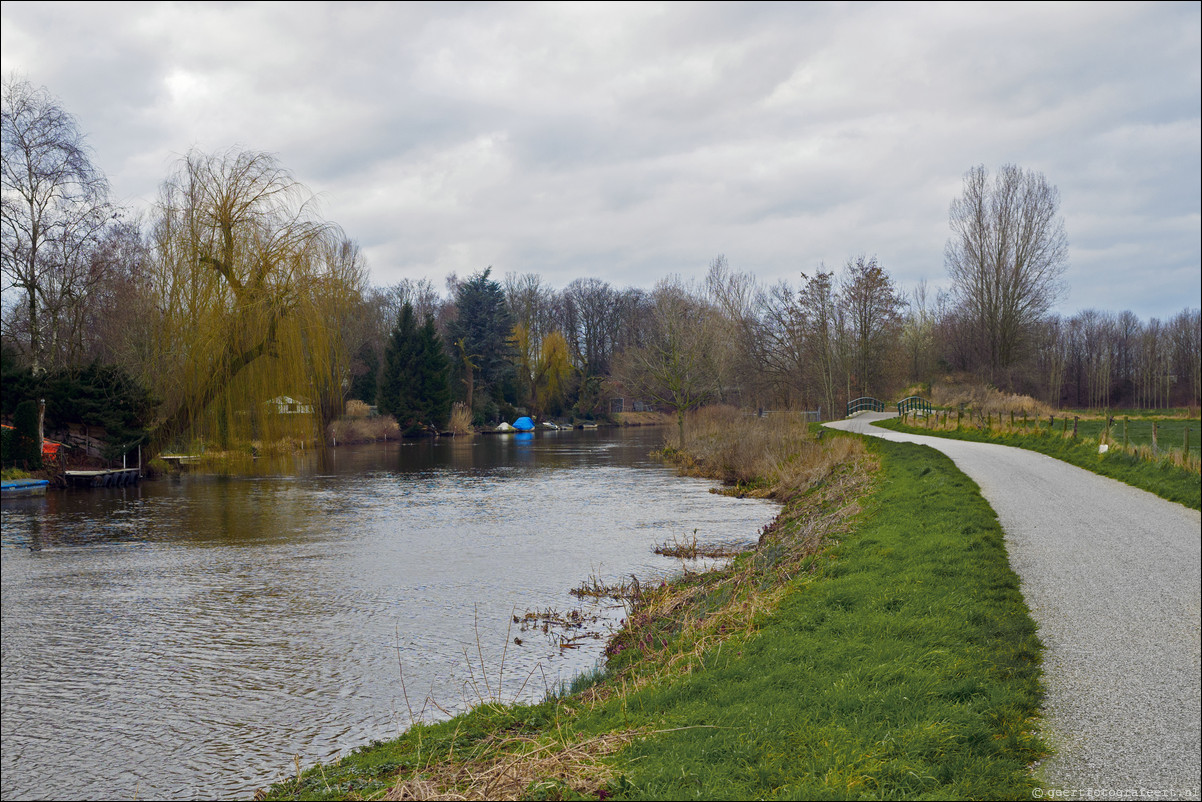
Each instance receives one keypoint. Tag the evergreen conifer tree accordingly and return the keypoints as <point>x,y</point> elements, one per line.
<point>435,377</point>
<point>395,395</point>
<point>480,338</point>
<point>415,384</point>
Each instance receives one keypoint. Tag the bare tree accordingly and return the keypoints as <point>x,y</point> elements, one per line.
<point>873,308</point>
<point>823,328</point>
<point>1006,256</point>
<point>1186,332</point>
<point>591,320</point>
<point>918,334</point>
<point>676,367</point>
<point>55,205</point>
<point>737,299</point>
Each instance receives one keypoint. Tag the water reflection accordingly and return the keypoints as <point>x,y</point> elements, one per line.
<point>185,639</point>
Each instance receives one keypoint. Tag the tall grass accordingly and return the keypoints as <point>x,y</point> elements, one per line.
<point>358,429</point>
<point>776,456</point>
<point>985,400</point>
<point>461,419</point>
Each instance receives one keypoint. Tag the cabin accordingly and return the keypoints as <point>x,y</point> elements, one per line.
<point>287,405</point>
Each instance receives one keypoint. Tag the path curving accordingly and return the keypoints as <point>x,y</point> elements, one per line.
<point>1112,577</point>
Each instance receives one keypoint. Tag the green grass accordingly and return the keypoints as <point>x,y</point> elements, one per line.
<point>906,667</point>
<point>1170,433</point>
<point>896,661</point>
<point>1160,476</point>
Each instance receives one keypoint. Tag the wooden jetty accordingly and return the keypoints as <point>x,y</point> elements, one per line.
<point>180,461</point>
<point>117,477</point>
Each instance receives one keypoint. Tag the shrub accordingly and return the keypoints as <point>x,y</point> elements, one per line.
<point>357,409</point>
<point>773,456</point>
<point>461,419</point>
<point>347,431</point>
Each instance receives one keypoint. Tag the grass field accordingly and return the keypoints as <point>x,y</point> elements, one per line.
<point>1170,433</point>
<point>875,645</point>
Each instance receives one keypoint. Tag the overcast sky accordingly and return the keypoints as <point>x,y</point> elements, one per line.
<point>628,142</point>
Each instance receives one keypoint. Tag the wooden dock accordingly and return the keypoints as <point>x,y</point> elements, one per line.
<point>180,461</point>
<point>118,477</point>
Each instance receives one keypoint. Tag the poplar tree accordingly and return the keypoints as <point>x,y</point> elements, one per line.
<point>1006,257</point>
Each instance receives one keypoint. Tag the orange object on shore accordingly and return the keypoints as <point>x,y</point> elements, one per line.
<point>49,447</point>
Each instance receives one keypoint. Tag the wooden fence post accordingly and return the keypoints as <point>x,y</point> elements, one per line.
<point>1126,420</point>
<point>1155,444</point>
<point>1074,427</point>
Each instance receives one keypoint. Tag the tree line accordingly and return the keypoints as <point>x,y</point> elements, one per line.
<point>232,303</point>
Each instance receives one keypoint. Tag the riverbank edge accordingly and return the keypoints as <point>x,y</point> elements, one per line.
<point>1159,477</point>
<point>900,660</point>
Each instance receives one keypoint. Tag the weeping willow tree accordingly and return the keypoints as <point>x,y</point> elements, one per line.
<point>251,288</point>
<point>544,366</point>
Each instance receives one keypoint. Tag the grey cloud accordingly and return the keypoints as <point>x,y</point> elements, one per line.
<point>635,141</point>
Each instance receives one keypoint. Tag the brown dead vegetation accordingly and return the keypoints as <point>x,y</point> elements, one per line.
<point>985,400</point>
<point>362,429</point>
<point>516,768</point>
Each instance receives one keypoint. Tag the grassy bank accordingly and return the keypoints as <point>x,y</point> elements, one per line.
<point>1171,474</point>
<point>875,644</point>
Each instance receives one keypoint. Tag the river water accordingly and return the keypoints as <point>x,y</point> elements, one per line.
<point>185,639</point>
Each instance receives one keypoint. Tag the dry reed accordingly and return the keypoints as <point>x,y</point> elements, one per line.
<point>985,400</point>
<point>516,768</point>
<point>461,419</point>
<point>689,549</point>
<point>351,430</point>
<point>357,409</point>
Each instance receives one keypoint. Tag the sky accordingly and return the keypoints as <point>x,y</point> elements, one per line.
<point>629,142</point>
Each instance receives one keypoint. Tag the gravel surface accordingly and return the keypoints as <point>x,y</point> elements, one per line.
<point>1111,574</point>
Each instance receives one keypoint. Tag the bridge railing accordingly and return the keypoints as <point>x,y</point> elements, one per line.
<point>865,403</point>
<point>914,403</point>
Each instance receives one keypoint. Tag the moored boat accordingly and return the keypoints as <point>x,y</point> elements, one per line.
<point>14,488</point>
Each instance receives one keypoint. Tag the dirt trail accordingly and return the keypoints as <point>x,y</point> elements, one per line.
<point>1111,574</point>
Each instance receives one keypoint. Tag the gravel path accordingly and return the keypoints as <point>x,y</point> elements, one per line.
<point>1111,574</point>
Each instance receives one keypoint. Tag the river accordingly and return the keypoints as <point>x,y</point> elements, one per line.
<point>186,638</point>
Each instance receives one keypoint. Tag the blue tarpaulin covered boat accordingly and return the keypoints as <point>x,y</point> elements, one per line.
<point>23,487</point>
<point>524,424</point>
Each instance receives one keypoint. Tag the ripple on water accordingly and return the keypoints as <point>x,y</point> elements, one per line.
<point>185,640</point>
